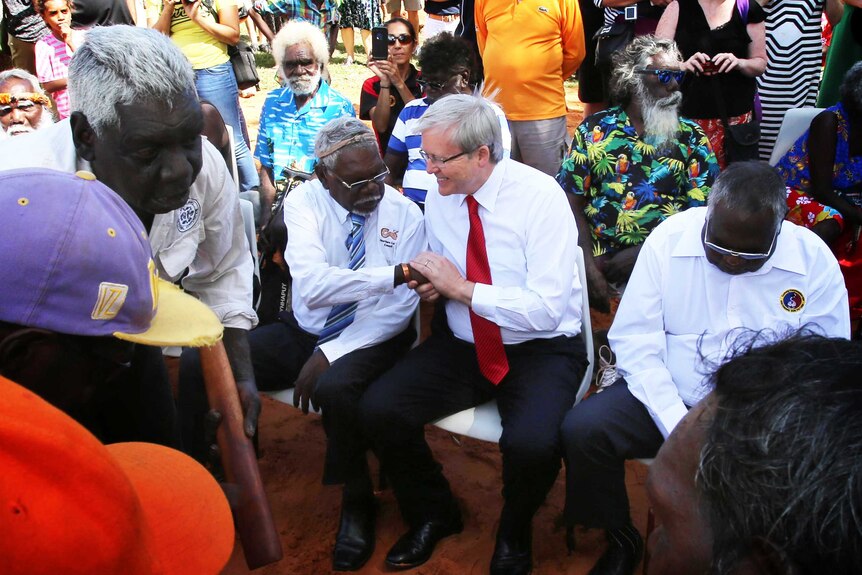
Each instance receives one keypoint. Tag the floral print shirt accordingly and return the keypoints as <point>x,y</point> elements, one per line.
<point>631,186</point>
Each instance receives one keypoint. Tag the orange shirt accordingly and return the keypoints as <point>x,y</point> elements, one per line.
<point>529,47</point>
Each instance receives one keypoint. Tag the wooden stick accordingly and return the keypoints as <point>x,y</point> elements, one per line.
<point>253,516</point>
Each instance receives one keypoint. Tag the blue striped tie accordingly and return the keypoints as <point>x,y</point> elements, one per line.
<point>342,314</point>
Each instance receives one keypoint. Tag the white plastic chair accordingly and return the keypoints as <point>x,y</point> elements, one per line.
<point>483,421</point>
<point>794,124</point>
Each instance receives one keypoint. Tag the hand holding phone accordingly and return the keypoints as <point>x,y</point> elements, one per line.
<point>379,43</point>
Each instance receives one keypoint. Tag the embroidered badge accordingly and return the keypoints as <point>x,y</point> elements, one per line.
<point>388,237</point>
<point>110,300</point>
<point>792,300</point>
<point>188,215</point>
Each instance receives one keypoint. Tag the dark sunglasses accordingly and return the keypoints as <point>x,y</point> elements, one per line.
<point>664,76</point>
<point>400,38</point>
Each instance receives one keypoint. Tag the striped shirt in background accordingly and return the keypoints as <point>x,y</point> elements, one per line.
<point>793,54</point>
<point>406,140</point>
<point>52,63</point>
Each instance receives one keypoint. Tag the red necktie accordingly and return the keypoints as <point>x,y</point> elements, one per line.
<point>486,334</point>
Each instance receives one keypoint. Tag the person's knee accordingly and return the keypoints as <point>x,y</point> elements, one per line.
<point>531,450</point>
<point>334,394</point>
<point>582,429</point>
<point>378,416</point>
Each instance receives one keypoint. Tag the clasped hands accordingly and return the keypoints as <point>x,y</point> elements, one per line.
<point>434,276</point>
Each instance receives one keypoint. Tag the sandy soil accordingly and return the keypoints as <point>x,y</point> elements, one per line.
<point>306,512</point>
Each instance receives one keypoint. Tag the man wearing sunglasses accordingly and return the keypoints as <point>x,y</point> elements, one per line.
<point>702,277</point>
<point>349,240</point>
<point>634,164</point>
<point>24,107</point>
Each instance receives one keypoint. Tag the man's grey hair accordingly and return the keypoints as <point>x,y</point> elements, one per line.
<point>750,188</point>
<point>470,121</point>
<point>338,131</point>
<point>22,75</point>
<point>851,90</point>
<point>624,79</point>
<point>780,471</point>
<point>299,32</point>
<point>129,66</point>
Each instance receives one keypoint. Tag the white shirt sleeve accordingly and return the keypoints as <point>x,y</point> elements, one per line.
<point>315,281</point>
<point>637,336</point>
<point>222,270</point>
<point>393,310</point>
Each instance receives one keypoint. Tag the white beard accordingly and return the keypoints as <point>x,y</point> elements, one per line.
<point>304,85</point>
<point>661,117</point>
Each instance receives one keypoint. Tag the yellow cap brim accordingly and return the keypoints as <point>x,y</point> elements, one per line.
<point>180,320</point>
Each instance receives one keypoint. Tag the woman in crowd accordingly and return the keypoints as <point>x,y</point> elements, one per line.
<point>362,14</point>
<point>723,44</point>
<point>203,30</point>
<point>823,168</point>
<point>447,67</point>
<point>394,80</point>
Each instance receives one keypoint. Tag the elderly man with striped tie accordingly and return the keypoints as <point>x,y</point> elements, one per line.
<point>349,240</point>
<point>502,264</point>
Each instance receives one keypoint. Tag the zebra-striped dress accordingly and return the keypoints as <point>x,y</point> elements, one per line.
<point>793,53</point>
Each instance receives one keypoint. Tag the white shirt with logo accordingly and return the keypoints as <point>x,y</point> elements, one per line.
<point>680,314</point>
<point>319,265</point>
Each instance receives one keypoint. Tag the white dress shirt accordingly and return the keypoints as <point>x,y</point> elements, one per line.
<point>531,239</point>
<point>206,236</point>
<point>680,314</point>
<point>320,265</point>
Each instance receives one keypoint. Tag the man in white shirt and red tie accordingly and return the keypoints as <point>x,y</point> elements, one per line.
<point>349,240</point>
<point>502,264</point>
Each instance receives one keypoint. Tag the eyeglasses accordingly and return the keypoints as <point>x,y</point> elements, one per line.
<point>440,161</point>
<point>437,86</point>
<point>664,76</point>
<point>294,64</point>
<point>741,255</point>
<point>400,38</point>
<point>378,179</point>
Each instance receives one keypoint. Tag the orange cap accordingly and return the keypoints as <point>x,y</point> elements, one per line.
<point>70,505</point>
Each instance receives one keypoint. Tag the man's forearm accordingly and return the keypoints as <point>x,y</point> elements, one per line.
<point>238,353</point>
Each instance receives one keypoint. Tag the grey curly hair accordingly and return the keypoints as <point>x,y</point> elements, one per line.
<point>637,54</point>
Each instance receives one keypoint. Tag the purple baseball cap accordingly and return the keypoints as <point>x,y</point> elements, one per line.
<point>76,260</point>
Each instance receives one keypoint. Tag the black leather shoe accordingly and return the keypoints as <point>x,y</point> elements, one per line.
<point>354,543</point>
<point>620,559</point>
<point>513,553</point>
<point>416,546</point>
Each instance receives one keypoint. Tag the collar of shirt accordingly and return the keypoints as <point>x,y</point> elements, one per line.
<point>487,193</point>
<point>784,258</point>
<point>320,100</point>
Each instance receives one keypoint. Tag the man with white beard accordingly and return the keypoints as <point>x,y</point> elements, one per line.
<point>292,115</point>
<point>634,164</point>
<point>24,107</point>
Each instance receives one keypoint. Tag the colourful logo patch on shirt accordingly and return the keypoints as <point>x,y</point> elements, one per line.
<point>188,215</point>
<point>792,300</point>
<point>388,237</point>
